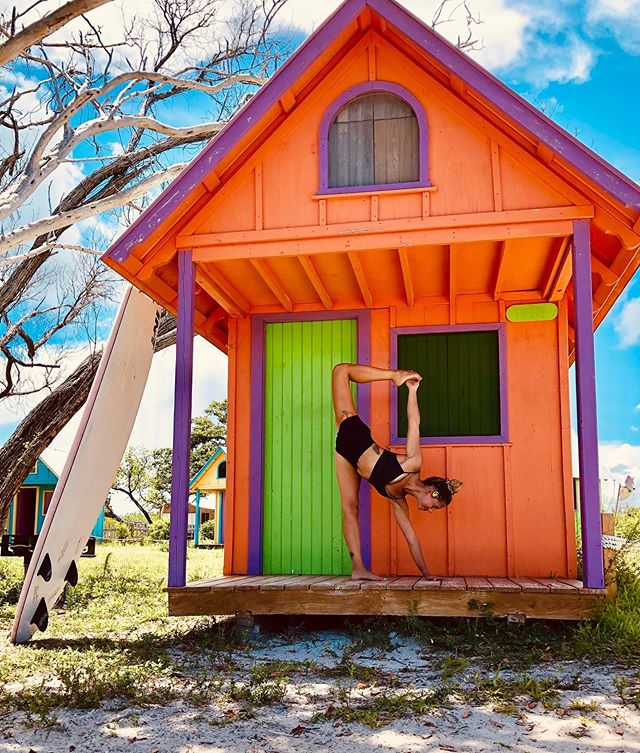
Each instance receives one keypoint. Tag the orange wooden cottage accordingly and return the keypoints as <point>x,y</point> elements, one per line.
<point>384,198</point>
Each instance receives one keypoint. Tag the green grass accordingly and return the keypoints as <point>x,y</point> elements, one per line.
<point>113,642</point>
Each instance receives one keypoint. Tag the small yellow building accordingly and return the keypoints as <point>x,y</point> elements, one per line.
<point>209,485</point>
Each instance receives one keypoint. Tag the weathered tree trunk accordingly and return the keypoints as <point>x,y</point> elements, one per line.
<point>39,428</point>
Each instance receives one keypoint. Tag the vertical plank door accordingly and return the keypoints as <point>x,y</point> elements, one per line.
<point>302,528</point>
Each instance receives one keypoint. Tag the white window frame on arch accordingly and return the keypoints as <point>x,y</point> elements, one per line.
<point>355,92</point>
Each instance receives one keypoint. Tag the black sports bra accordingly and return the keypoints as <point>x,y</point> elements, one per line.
<point>386,470</point>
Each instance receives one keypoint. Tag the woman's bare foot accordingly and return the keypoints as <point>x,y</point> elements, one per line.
<point>365,575</point>
<point>401,377</point>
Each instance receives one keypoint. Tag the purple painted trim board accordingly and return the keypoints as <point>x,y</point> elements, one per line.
<point>592,563</point>
<point>370,87</point>
<point>581,157</point>
<point>256,452</point>
<point>182,422</point>
<point>502,355</point>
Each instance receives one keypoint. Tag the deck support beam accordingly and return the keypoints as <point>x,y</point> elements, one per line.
<point>586,408</point>
<point>182,421</point>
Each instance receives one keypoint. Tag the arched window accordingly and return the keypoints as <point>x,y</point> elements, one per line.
<point>222,469</point>
<point>374,140</point>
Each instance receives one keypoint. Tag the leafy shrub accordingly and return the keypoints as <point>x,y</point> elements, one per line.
<point>208,530</point>
<point>628,524</point>
<point>159,530</point>
<point>11,576</point>
<point>117,530</point>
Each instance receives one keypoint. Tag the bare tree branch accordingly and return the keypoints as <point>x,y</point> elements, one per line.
<point>62,220</point>
<point>35,32</point>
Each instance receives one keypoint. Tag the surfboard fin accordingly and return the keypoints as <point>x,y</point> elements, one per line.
<point>44,571</point>
<point>41,616</point>
<point>72,574</point>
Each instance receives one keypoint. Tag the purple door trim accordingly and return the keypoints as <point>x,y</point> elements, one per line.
<point>368,87</point>
<point>592,563</point>
<point>256,452</point>
<point>501,438</point>
<point>182,422</point>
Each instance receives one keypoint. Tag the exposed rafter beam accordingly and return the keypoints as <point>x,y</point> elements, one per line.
<point>314,279</point>
<point>556,283</point>
<point>358,271</point>
<point>500,267</point>
<point>225,295</point>
<point>406,276</point>
<point>222,282</point>
<point>609,277</point>
<point>272,282</point>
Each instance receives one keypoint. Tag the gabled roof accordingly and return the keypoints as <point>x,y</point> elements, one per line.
<point>43,475</point>
<point>220,451</point>
<point>612,193</point>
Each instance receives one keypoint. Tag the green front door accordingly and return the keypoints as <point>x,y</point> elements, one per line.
<point>302,525</point>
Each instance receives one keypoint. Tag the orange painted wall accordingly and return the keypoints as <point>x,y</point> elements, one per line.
<point>514,515</point>
<point>277,186</point>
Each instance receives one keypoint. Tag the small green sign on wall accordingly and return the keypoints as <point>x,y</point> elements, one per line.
<point>532,312</point>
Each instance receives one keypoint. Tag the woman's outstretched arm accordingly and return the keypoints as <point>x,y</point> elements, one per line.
<point>413,460</point>
<point>401,512</point>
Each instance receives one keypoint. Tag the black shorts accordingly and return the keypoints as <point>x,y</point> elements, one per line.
<point>354,437</point>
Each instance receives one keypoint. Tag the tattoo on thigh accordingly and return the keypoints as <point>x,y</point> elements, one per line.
<point>376,448</point>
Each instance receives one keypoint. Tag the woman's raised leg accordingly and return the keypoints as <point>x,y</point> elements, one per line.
<point>345,373</point>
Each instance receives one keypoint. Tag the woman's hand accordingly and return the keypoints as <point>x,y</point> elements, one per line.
<point>413,384</point>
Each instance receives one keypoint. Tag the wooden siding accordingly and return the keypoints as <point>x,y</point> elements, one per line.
<point>460,152</point>
<point>493,526</point>
<point>302,527</point>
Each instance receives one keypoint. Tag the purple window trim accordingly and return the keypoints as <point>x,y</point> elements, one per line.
<point>503,437</point>
<point>182,422</point>
<point>586,414</point>
<point>370,87</point>
<point>256,451</point>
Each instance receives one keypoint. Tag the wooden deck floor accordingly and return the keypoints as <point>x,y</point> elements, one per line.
<point>558,598</point>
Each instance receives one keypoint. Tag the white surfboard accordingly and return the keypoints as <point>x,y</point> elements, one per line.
<point>92,463</point>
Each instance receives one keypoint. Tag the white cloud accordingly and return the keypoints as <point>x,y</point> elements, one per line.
<point>618,17</point>
<point>627,324</point>
<point>501,31</point>
<point>617,461</point>
<point>154,423</point>
<point>573,63</point>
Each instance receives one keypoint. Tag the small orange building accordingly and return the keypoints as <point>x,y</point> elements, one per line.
<point>384,198</point>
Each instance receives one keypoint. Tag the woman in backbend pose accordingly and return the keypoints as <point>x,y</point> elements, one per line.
<point>393,476</point>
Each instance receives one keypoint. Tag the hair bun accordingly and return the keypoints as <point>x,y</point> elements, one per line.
<point>454,485</point>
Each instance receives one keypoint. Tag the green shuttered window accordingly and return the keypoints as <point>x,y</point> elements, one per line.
<point>460,392</point>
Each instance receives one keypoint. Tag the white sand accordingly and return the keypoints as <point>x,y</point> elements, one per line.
<point>287,726</point>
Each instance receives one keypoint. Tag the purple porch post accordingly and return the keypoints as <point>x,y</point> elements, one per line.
<point>593,568</point>
<point>182,422</point>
